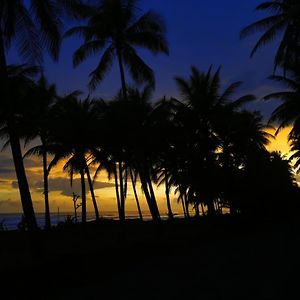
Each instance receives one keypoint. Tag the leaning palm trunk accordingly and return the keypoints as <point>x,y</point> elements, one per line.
<point>92,193</point>
<point>16,149</point>
<point>83,196</point>
<point>170,213</point>
<point>153,198</point>
<point>46,188</point>
<point>22,180</point>
<point>136,195</point>
<point>149,194</point>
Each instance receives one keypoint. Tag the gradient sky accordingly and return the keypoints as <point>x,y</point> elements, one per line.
<point>200,33</point>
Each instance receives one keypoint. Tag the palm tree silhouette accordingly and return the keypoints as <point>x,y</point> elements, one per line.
<point>73,132</point>
<point>285,21</point>
<point>288,112</point>
<point>203,102</point>
<point>45,96</point>
<point>116,26</point>
<point>32,28</point>
<point>129,156</point>
<point>14,114</point>
<point>164,129</point>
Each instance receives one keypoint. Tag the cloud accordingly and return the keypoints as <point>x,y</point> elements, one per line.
<point>63,185</point>
<point>9,203</point>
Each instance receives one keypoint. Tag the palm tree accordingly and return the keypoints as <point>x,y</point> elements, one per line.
<point>15,110</point>
<point>203,104</point>
<point>73,133</point>
<point>242,146</point>
<point>45,95</point>
<point>284,22</point>
<point>32,28</point>
<point>116,28</point>
<point>288,112</point>
<point>164,128</point>
<point>33,25</point>
<point>128,156</point>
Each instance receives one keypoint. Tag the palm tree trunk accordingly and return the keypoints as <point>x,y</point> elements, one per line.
<point>153,198</point>
<point>122,73</point>
<point>117,189</point>
<point>181,199</point>
<point>154,211</point>
<point>183,206</point>
<point>210,208</point>
<point>202,209</point>
<point>125,182</point>
<point>92,192</point>
<point>122,196</point>
<point>22,180</point>
<point>186,202</point>
<point>16,147</point>
<point>46,188</point>
<point>75,211</point>
<point>136,195</point>
<point>197,212</point>
<point>170,213</point>
<point>83,196</point>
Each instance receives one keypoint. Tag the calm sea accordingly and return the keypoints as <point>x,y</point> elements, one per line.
<point>11,221</point>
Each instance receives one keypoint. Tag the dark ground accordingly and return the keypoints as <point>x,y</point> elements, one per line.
<point>223,258</point>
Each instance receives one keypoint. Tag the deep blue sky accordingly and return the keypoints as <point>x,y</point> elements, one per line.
<point>200,33</point>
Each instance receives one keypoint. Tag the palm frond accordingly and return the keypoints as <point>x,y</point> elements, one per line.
<point>230,91</point>
<point>103,67</point>
<point>86,50</point>
<point>261,25</point>
<point>138,69</point>
<point>48,15</point>
<point>26,35</point>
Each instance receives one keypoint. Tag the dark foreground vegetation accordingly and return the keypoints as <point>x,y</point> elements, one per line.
<point>220,258</point>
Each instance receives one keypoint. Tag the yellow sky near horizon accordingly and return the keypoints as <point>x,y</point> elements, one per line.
<point>61,192</point>
<point>280,142</point>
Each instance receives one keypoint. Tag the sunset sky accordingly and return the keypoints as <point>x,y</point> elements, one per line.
<point>201,33</point>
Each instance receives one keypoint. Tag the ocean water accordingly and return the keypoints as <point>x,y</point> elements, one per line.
<point>10,221</point>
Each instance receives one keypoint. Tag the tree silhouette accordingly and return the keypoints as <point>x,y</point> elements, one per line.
<point>14,112</point>
<point>73,132</point>
<point>44,96</point>
<point>115,27</point>
<point>284,21</point>
<point>31,26</point>
<point>204,108</point>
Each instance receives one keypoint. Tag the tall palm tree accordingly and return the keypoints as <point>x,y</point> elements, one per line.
<point>164,128</point>
<point>44,95</point>
<point>32,25</point>
<point>116,28</point>
<point>130,154</point>
<point>283,22</point>
<point>204,100</point>
<point>73,133</point>
<point>15,110</point>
